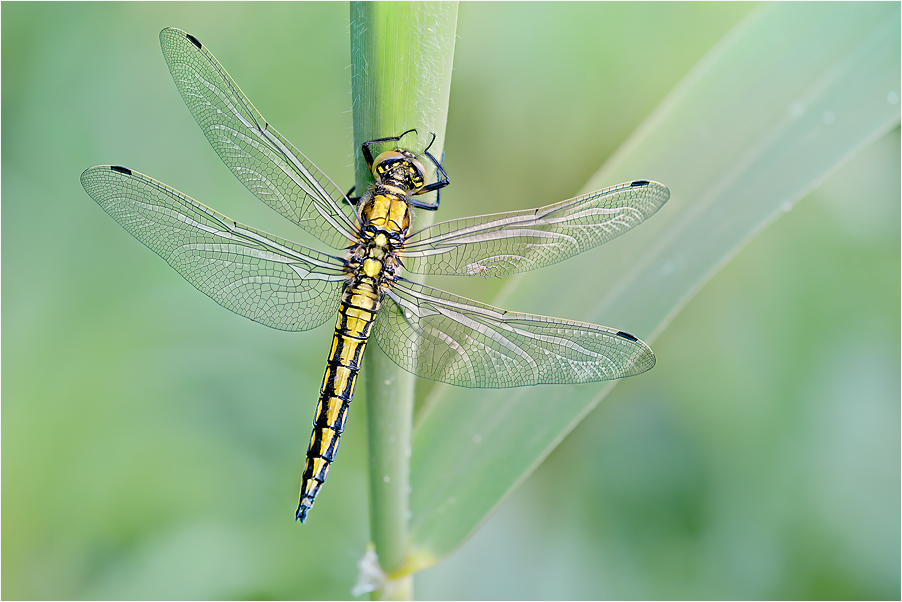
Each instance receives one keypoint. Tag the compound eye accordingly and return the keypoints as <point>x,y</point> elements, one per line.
<point>384,162</point>
<point>416,173</point>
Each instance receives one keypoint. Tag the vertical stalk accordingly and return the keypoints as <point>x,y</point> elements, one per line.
<point>401,57</point>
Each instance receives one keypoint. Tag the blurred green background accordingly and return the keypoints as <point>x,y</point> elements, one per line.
<point>152,441</point>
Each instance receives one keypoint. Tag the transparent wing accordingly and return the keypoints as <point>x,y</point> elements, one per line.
<point>259,276</point>
<point>276,172</point>
<point>447,338</point>
<point>518,241</point>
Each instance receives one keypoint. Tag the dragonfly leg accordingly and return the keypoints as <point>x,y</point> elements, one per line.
<point>443,181</point>
<point>352,199</point>
<point>367,153</point>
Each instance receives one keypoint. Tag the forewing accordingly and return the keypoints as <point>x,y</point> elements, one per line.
<point>518,241</point>
<point>259,276</point>
<point>276,172</point>
<point>447,338</point>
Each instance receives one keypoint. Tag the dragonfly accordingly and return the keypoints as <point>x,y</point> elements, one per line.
<point>284,285</point>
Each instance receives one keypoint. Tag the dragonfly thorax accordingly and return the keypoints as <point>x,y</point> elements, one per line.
<point>386,221</point>
<point>399,169</point>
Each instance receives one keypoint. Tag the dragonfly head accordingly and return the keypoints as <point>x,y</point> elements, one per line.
<point>400,168</point>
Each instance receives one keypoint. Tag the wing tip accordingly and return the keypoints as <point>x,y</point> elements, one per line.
<point>101,168</point>
<point>645,358</point>
<point>661,196</point>
<point>174,31</point>
<point>652,360</point>
<point>194,41</point>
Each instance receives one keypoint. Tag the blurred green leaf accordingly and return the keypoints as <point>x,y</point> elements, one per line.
<point>786,97</point>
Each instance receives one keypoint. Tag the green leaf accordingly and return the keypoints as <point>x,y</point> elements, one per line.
<point>787,96</point>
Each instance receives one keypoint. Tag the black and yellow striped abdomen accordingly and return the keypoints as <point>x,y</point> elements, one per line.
<point>371,270</point>
<point>355,318</point>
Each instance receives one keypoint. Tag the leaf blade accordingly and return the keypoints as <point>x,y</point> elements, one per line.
<point>749,131</point>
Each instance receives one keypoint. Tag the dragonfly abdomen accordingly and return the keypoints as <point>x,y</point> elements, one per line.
<point>371,266</point>
<point>355,319</point>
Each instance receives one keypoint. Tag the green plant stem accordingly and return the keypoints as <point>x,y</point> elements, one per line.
<point>401,57</point>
